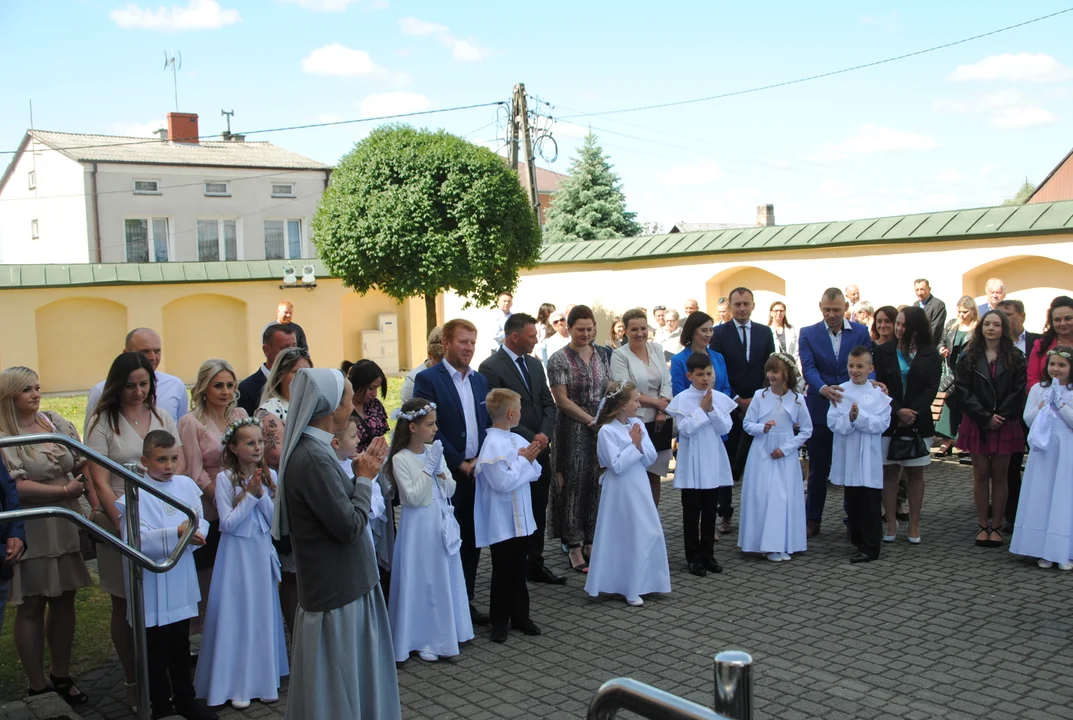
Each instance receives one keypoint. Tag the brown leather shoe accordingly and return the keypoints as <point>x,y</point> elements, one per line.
<point>812,528</point>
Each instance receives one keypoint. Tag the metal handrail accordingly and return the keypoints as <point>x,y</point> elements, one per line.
<point>646,701</point>
<point>132,484</point>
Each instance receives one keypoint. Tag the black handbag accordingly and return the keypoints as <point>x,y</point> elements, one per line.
<point>661,439</point>
<point>906,445</point>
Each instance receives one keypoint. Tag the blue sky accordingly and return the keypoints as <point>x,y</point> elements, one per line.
<point>961,127</point>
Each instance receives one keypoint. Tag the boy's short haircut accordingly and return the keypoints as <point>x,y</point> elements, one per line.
<point>861,351</point>
<point>157,439</point>
<point>698,361</point>
<point>352,419</point>
<point>499,401</point>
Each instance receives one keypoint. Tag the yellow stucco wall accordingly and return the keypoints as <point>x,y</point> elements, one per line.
<point>70,335</point>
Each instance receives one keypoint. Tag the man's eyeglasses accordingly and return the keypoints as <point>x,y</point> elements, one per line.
<point>560,321</point>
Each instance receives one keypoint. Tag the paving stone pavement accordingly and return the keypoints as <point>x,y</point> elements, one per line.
<point>942,629</point>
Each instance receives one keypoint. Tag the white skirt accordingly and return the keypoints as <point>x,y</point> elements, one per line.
<point>915,462</point>
<point>662,463</point>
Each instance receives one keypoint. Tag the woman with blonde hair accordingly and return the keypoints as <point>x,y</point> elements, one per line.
<point>52,570</point>
<point>276,397</point>
<point>213,406</point>
<point>435,357</point>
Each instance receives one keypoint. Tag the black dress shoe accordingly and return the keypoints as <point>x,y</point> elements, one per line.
<point>711,564</point>
<point>477,617</point>
<point>697,568</point>
<point>526,626</point>
<point>499,634</point>
<point>195,710</point>
<point>543,575</point>
<point>812,528</point>
<point>861,558</point>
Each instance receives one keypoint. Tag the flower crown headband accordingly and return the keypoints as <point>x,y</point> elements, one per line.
<point>398,414</point>
<point>786,359</point>
<point>1061,353</point>
<point>233,428</point>
<point>614,389</point>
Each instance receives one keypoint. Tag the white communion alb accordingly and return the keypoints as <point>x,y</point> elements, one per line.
<point>857,454</point>
<point>702,462</point>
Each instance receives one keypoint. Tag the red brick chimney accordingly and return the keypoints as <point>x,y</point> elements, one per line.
<point>182,127</point>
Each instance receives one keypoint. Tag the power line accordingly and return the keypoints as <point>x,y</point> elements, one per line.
<point>826,74</point>
<point>149,141</point>
<point>161,188</point>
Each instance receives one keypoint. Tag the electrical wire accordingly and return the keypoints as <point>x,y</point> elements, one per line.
<point>162,188</point>
<point>825,74</point>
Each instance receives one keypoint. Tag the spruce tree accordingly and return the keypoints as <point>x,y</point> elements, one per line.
<point>590,204</point>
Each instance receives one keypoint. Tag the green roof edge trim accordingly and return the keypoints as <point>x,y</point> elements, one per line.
<point>46,276</point>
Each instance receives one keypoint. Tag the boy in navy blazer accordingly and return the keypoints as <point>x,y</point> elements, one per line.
<point>824,349</point>
<point>462,417</point>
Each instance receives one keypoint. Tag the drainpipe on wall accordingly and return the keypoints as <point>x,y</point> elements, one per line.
<point>96,215</point>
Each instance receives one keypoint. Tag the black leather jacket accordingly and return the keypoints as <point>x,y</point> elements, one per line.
<point>980,396</point>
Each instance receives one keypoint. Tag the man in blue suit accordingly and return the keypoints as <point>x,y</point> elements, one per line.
<point>745,346</point>
<point>825,349</point>
<point>462,417</point>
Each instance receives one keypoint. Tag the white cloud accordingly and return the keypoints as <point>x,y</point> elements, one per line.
<point>702,172</point>
<point>329,118</point>
<point>1017,118</point>
<point>833,190</point>
<point>393,103</point>
<point>147,129</point>
<point>950,175</point>
<point>872,139</point>
<point>341,61</point>
<point>196,15</point>
<point>461,50</point>
<point>335,6</point>
<point>1014,67</point>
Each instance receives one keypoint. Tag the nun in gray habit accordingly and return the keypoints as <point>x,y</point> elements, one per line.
<point>343,663</point>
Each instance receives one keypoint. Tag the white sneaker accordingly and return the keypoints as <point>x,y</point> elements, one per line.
<point>427,656</point>
<point>786,556</point>
<point>635,602</point>
<point>775,557</point>
<point>1045,564</point>
<point>1065,566</point>
<point>240,704</point>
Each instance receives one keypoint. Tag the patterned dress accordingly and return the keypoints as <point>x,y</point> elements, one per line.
<point>573,507</point>
<point>373,425</point>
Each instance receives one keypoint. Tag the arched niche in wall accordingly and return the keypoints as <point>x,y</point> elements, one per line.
<point>1032,279</point>
<point>203,326</point>
<point>767,288</point>
<point>77,340</point>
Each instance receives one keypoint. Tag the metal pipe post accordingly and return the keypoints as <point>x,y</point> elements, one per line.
<point>734,684</point>
<point>136,597</point>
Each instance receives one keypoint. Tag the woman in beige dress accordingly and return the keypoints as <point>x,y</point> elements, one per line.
<point>124,415</point>
<point>641,362</point>
<point>213,406</point>
<point>52,569</point>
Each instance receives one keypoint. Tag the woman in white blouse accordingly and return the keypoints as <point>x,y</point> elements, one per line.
<point>641,362</point>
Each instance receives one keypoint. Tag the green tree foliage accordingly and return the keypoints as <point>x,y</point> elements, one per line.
<point>589,204</point>
<point>416,212</point>
<point>1022,195</point>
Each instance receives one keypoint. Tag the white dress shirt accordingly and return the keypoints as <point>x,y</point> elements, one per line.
<point>171,396</point>
<point>1021,343</point>
<point>836,337</point>
<point>748,335</point>
<point>514,362</point>
<point>469,408</point>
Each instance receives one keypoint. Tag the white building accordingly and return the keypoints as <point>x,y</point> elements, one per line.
<point>71,198</point>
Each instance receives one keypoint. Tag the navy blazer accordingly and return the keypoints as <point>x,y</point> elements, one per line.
<point>9,500</point>
<point>820,366</point>
<point>435,384</point>
<point>746,376</point>
<point>249,391</point>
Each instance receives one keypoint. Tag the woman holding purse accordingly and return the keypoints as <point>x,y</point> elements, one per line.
<point>641,362</point>
<point>910,366</point>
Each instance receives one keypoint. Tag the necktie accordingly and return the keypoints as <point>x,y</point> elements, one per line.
<point>525,373</point>
<point>744,341</point>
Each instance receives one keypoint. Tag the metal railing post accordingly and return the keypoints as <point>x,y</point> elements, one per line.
<point>136,595</point>
<point>644,700</point>
<point>734,684</point>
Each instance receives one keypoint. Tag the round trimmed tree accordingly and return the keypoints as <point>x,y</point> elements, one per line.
<point>419,212</point>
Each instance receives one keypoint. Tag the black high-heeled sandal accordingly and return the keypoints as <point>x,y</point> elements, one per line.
<point>994,543</point>
<point>30,692</point>
<point>986,540</point>
<point>64,686</point>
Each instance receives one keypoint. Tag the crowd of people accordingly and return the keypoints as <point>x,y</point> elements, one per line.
<point>295,474</point>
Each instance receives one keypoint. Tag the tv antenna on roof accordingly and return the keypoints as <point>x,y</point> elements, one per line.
<point>174,60</point>
<point>228,114</point>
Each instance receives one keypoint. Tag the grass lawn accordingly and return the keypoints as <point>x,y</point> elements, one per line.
<point>93,643</point>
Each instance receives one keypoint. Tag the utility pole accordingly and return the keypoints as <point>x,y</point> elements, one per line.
<point>519,130</point>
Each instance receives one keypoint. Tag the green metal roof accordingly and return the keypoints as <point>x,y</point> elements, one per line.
<point>35,276</point>
<point>978,223</point>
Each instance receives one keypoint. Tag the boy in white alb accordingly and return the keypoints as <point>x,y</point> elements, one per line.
<point>171,598</point>
<point>858,421</point>
<point>503,512</point>
<point>345,446</point>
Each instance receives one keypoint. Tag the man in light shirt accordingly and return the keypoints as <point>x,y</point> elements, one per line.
<point>171,393</point>
<point>659,314</point>
<point>853,294</point>
<point>690,307</point>
<point>995,290</point>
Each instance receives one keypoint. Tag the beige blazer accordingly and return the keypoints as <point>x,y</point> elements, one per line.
<point>627,367</point>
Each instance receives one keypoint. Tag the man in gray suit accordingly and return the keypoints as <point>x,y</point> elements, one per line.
<point>934,308</point>
<point>512,367</point>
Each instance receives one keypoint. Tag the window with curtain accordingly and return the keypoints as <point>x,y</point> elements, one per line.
<point>160,239</point>
<point>230,240</point>
<point>137,240</point>
<point>208,240</point>
<point>283,239</point>
<point>294,238</point>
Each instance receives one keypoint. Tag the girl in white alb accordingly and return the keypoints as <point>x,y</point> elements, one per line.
<point>772,496</point>
<point>428,606</point>
<point>629,554</point>
<point>1044,527</point>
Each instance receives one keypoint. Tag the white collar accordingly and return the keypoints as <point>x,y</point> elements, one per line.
<point>456,374</point>
<point>845,325</point>
<point>321,436</point>
<point>265,370</point>
<point>747,324</point>
<point>513,356</point>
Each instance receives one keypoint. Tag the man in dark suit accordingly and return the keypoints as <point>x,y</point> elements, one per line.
<point>275,339</point>
<point>1025,342</point>
<point>512,367</point>
<point>934,309</point>
<point>824,349</point>
<point>745,346</point>
<point>462,417</point>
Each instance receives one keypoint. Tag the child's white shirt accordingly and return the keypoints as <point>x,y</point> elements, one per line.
<point>503,503</point>
<point>702,462</point>
<point>857,450</point>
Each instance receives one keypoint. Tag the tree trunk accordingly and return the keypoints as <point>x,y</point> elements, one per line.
<point>430,314</point>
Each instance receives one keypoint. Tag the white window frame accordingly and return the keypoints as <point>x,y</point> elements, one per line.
<point>211,193</point>
<point>286,244</point>
<point>156,183</point>
<point>35,230</point>
<point>221,237</point>
<point>31,179</point>
<point>151,237</point>
<point>290,194</point>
